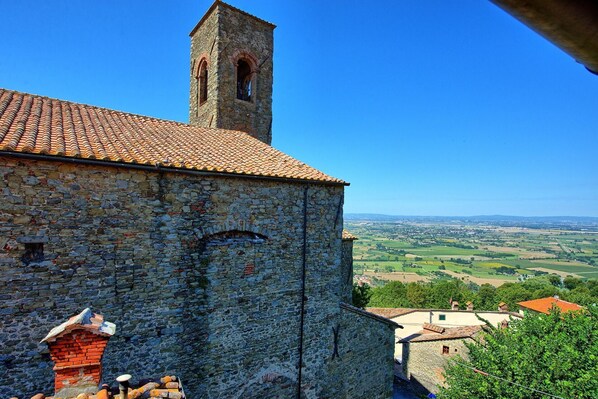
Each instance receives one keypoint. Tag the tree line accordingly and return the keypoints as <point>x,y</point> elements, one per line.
<point>438,293</point>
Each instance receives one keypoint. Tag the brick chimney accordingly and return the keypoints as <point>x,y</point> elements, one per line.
<point>469,305</point>
<point>503,307</point>
<point>76,347</point>
<point>454,305</point>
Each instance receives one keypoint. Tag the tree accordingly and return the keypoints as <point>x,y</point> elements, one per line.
<point>580,295</point>
<point>512,293</point>
<point>361,295</point>
<point>553,353</point>
<point>416,294</point>
<point>486,298</point>
<point>444,290</point>
<point>571,282</point>
<point>391,295</point>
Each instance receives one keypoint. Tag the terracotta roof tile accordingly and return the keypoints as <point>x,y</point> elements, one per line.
<point>33,124</point>
<point>348,236</point>
<point>544,305</point>
<point>85,320</point>
<point>390,312</point>
<point>433,328</point>
<point>448,333</point>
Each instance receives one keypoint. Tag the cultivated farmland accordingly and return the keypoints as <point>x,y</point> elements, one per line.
<point>477,252</point>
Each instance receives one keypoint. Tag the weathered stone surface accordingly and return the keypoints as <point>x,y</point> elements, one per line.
<point>363,366</point>
<point>220,311</point>
<point>425,361</point>
<point>202,275</point>
<point>223,38</point>
<point>346,283</point>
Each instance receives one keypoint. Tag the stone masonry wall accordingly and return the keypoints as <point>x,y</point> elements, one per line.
<point>424,362</point>
<point>347,271</point>
<point>204,45</point>
<point>154,253</point>
<point>364,362</point>
<point>224,37</point>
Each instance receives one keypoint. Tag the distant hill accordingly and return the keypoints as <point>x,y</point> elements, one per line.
<point>501,220</point>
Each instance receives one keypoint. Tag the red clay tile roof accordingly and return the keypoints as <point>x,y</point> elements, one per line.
<point>433,328</point>
<point>448,333</point>
<point>33,124</point>
<point>544,305</point>
<point>390,313</point>
<point>86,320</point>
<point>165,387</point>
<point>348,236</point>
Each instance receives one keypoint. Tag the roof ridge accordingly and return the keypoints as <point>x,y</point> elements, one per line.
<point>549,298</point>
<point>34,124</point>
<point>70,102</point>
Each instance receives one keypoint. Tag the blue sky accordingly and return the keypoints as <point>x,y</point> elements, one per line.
<point>425,107</point>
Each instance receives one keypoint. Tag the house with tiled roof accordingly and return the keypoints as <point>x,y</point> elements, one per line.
<point>219,257</point>
<point>412,319</point>
<point>425,353</point>
<point>546,305</point>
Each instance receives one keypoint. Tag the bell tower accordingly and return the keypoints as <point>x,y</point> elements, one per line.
<point>231,72</point>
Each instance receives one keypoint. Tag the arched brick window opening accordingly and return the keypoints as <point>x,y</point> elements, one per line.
<point>235,237</point>
<point>201,75</point>
<point>203,81</point>
<point>245,76</point>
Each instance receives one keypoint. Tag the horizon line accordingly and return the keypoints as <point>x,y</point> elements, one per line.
<point>471,216</point>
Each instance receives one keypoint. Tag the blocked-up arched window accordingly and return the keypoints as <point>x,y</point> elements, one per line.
<point>244,80</point>
<point>203,82</point>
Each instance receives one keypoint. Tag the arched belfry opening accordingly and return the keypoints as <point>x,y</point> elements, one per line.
<point>240,48</point>
<point>245,76</point>
<point>202,83</point>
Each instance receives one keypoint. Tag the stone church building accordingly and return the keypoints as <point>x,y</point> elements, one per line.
<point>218,258</point>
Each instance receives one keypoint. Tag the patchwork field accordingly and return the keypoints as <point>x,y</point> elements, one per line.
<point>414,251</point>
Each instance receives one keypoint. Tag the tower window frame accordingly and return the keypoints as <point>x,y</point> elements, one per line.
<point>245,78</point>
<point>202,82</point>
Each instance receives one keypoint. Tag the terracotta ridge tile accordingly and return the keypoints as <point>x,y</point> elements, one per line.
<point>41,125</point>
<point>57,145</point>
<point>70,139</point>
<point>46,143</point>
<point>103,138</point>
<point>143,134</point>
<point>5,99</point>
<point>5,126</point>
<point>139,152</point>
<point>113,138</point>
<point>78,104</point>
<point>32,125</point>
<point>82,136</point>
<point>19,123</point>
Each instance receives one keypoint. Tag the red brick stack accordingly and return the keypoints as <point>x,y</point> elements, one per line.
<point>76,347</point>
<point>77,358</point>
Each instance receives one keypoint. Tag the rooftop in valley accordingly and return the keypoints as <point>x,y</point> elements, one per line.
<point>544,305</point>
